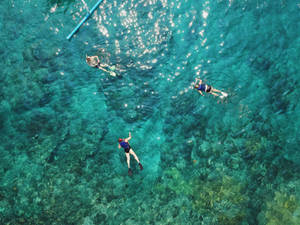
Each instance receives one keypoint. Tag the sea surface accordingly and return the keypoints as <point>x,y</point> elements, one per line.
<point>206,160</point>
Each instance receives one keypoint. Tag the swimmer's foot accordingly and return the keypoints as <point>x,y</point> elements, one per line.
<point>224,94</point>
<point>129,172</point>
<point>141,167</point>
<point>112,73</point>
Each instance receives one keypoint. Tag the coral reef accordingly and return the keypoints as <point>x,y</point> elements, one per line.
<point>224,198</point>
<point>283,207</point>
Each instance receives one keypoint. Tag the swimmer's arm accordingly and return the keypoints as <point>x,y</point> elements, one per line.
<point>119,146</point>
<point>97,58</point>
<point>127,139</point>
<point>200,81</point>
<point>201,92</point>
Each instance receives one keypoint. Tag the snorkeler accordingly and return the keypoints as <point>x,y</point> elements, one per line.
<point>94,61</point>
<point>128,150</point>
<point>208,89</point>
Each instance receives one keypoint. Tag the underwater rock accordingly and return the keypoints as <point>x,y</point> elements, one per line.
<point>40,120</point>
<point>45,99</point>
<point>174,181</point>
<point>131,102</point>
<point>223,197</point>
<point>4,111</point>
<point>130,116</point>
<point>182,105</point>
<point>100,218</point>
<point>205,148</point>
<point>40,73</point>
<point>5,209</point>
<point>40,53</point>
<point>261,64</point>
<point>15,58</point>
<point>292,155</point>
<point>284,208</point>
<point>2,44</point>
<point>27,55</point>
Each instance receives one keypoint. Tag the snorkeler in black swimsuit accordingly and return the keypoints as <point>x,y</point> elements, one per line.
<point>201,87</point>
<point>128,151</point>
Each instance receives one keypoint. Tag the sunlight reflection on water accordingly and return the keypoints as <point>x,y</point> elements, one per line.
<point>143,34</point>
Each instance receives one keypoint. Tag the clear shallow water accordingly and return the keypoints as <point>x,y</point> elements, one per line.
<point>205,162</point>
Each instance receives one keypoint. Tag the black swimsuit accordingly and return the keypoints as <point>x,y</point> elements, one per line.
<point>204,87</point>
<point>127,149</point>
<point>208,88</point>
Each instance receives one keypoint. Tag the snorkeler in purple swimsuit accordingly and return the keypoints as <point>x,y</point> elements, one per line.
<point>201,87</point>
<point>128,151</point>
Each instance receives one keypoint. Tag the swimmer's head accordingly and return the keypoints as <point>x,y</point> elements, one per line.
<point>88,58</point>
<point>196,86</point>
<point>120,140</point>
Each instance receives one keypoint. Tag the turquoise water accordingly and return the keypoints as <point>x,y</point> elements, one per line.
<point>205,161</point>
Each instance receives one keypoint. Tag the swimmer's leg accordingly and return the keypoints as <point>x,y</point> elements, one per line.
<point>224,94</point>
<point>134,155</point>
<point>128,160</point>
<point>136,158</point>
<point>213,93</point>
<point>215,90</point>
